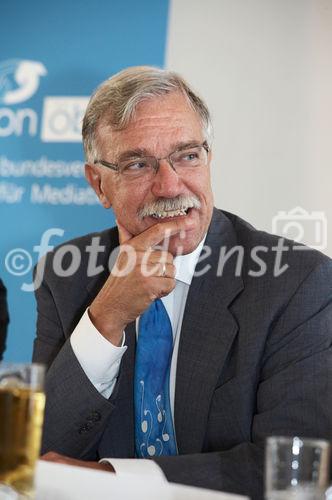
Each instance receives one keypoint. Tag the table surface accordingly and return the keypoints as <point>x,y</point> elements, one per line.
<point>63,482</point>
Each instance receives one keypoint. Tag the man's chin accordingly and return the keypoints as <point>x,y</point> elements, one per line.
<point>177,245</point>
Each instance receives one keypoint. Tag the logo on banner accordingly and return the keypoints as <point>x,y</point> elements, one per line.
<point>61,115</point>
<point>62,118</point>
<point>19,80</point>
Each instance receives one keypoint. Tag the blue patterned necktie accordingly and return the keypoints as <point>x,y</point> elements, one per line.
<point>154,432</point>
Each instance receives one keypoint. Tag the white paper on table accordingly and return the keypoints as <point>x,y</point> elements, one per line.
<point>65,482</point>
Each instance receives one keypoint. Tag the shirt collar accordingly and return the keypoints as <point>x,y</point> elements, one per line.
<point>185,264</point>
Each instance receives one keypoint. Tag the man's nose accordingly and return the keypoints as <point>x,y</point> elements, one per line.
<point>166,182</point>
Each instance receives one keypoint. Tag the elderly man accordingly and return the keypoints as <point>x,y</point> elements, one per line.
<point>182,349</point>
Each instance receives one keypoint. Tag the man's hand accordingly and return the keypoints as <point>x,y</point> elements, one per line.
<point>130,289</point>
<point>51,456</point>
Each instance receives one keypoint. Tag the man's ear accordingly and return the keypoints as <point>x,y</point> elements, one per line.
<point>93,176</point>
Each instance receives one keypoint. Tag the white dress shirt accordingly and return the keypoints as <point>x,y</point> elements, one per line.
<point>101,360</point>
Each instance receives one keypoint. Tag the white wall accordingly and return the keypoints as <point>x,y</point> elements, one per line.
<point>265,69</point>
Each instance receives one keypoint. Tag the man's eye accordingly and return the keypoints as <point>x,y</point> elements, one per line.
<point>189,156</point>
<point>134,166</point>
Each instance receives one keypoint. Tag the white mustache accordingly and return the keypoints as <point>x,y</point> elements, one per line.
<point>181,202</point>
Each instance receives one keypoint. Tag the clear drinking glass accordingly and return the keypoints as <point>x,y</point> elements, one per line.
<point>296,468</point>
<point>22,402</point>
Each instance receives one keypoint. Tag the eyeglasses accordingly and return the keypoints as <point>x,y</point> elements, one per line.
<point>182,161</point>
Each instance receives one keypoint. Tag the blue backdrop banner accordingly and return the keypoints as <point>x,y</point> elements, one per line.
<point>53,55</point>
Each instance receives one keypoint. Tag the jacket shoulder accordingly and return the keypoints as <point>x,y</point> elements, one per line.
<point>107,237</point>
<point>77,253</point>
<point>296,253</point>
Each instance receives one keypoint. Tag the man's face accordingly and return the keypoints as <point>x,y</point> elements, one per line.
<point>160,126</point>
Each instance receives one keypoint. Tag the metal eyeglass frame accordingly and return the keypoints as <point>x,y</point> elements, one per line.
<point>115,166</point>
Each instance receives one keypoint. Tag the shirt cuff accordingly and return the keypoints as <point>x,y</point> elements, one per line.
<point>98,357</point>
<point>138,467</point>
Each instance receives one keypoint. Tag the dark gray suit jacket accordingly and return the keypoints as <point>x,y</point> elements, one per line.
<point>254,360</point>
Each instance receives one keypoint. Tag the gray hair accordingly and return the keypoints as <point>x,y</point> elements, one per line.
<point>115,100</point>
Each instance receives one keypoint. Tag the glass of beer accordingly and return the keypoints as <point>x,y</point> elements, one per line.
<point>22,402</point>
<point>296,468</point>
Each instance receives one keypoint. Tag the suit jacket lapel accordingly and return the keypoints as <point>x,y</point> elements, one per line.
<point>208,331</point>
